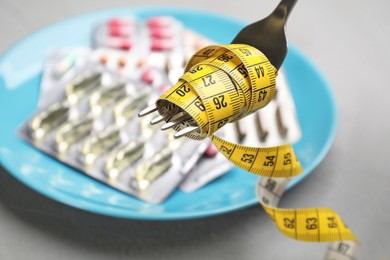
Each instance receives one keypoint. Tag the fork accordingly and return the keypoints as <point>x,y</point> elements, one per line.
<point>267,35</point>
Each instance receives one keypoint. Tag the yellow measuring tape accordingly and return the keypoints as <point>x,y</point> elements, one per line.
<point>224,83</point>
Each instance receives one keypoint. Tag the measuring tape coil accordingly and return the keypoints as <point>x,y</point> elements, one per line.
<point>224,83</point>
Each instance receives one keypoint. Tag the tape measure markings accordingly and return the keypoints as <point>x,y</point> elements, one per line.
<point>224,83</point>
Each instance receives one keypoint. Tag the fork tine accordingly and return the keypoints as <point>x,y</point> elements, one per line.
<point>148,110</point>
<point>185,131</point>
<point>158,119</point>
<point>178,121</point>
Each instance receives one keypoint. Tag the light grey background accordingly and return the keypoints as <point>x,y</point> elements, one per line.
<point>349,41</point>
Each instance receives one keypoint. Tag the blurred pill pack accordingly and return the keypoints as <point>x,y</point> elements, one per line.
<point>89,99</point>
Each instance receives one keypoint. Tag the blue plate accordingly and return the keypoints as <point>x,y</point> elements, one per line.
<point>20,73</point>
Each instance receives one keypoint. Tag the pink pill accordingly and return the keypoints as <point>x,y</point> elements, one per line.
<point>211,151</point>
<point>120,31</point>
<point>160,21</point>
<point>162,44</point>
<point>126,44</point>
<point>158,33</point>
<point>115,22</point>
<point>119,43</point>
<point>149,76</point>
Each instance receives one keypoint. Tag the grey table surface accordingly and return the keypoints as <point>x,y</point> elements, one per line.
<point>350,43</point>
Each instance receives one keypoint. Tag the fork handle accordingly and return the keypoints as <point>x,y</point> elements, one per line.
<point>283,10</point>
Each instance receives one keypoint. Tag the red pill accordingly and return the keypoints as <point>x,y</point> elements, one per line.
<point>119,43</point>
<point>126,44</point>
<point>162,44</point>
<point>158,33</point>
<point>150,76</point>
<point>116,22</point>
<point>118,31</point>
<point>160,21</point>
<point>211,151</point>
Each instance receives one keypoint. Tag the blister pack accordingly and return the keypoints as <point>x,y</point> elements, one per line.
<point>90,123</point>
<point>89,100</point>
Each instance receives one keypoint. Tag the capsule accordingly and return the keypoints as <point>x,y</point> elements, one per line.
<point>129,106</point>
<point>160,21</point>
<point>47,120</point>
<point>122,157</point>
<point>71,132</point>
<point>104,97</point>
<point>162,45</point>
<point>211,151</point>
<point>82,84</point>
<point>161,32</point>
<point>97,144</point>
<point>120,21</point>
<point>147,172</point>
<point>119,43</point>
<point>120,31</point>
<point>150,76</point>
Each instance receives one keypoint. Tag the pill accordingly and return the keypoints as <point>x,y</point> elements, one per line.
<point>211,150</point>
<point>98,143</point>
<point>82,84</point>
<point>160,21</point>
<point>103,59</point>
<point>162,44</point>
<point>45,121</point>
<point>149,76</point>
<point>142,62</point>
<point>120,21</point>
<point>158,32</point>
<point>120,31</point>
<point>71,132</point>
<point>123,157</point>
<point>122,62</point>
<point>104,97</point>
<point>119,43</point>
<point>129,106</point>
<point>149,170</point>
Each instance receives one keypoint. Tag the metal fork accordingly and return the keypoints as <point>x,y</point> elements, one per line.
<point>267,35</point>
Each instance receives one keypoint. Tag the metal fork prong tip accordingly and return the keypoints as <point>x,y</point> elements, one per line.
<point>157,120</point>
<point>178,121</point>
<point>185,131</point>
<point>148,110</point>
<point>168,125</point>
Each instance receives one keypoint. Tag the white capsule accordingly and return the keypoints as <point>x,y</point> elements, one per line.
<point>123,157</point>
<point>104,97</point>
<point>47,120</point>
<point>152,168</point>
<point>72,131</point>
<point>100,142</point>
